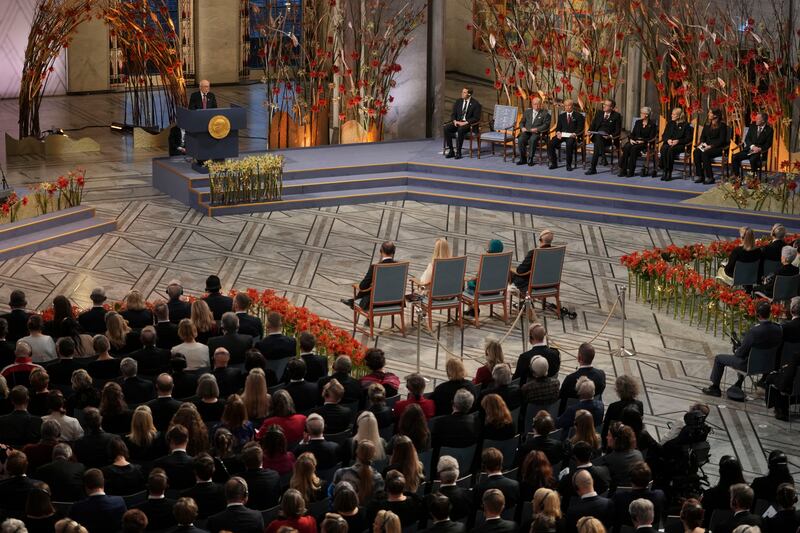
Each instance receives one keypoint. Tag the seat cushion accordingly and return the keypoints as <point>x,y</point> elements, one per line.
<point>495,136</point>
<point>485,298</point>
<point>546,291</point>
<point>450,302</point>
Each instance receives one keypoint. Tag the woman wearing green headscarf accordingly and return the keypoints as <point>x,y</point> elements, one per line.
<point>495,246</point>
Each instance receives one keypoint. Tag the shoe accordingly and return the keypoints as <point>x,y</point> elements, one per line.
<point>522,161</point>
<point>569,168</point>
<point>458,155</point>
<point>450,155</point>
<point>623,175</point>
<point>781,415</point>
<point>471,312</point>
<point>709,181</point>
<point>366,322</point>
<point>552,166</point>
<point>591,171</point>
<point>699,179</point>
<point>603,160</point>
<point>530,162</point>
<point>712,391</point>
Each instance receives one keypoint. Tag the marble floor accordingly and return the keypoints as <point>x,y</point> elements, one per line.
<point>313,256</point>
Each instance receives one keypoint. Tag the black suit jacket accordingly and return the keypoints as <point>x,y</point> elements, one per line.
<point>366,282</point>
<point>523,370</point>
<point>230,380</point>
<point>715,137</point>
<point>496,526</point>
<point>784,520</point>
<point>152,360</point>
<point>187,529</point>
<point>6,353</point>
<point>337,417</point>
<point>163,409</point>
<point>14,493</point>
<point>622,501</point>
<point>576,126</point>
<point>611,125</point>
<point>237,519</point>
<point>745,517</point>
<point>65,479</point>
<point>766,334</point>
<point>304,395</point>
<point>178,310</point>
<point>159,513</point>
<point>316,366</point>
<point>447,526</point>
<point>772,251</point>
<point>443,394</point>
<point>277,346</point>
<point>460,501</point>
<point>92,449</point>
<point>99,513</point>
<point>326,452</point>
<point>19,428</point>
<point>196,101</point>
<point>473,113</point>
<point>552,448</point>
<point>568,385</point>
<point>17,324</point>
<point>456,430</point>
<point>219,304</point>
<point>677,132</point>
<point>600,476</point>
<point>540,125</point>
<point>93,321</point>
<point>178,466</point>
<point>236,344</point>
<point>353,391</point>
<point>167,335</point>
<point>763,141</point>
<point>509,488</point>
<point>250,325</point>
<point>60,370</point>
<point>643,133</point>
<point>263,486</point>
<point>137,390</point>
<point>596,506</point>
<point>209,496</point>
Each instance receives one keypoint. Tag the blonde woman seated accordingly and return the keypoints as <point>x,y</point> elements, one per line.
<point>441,250</point>
<point>547,510</point>
<point>747,252</point>
<point>494,356</point>
<point>122,338</point>
<point>196,354</point>
<point>136,312</point>
<point>367,430</point>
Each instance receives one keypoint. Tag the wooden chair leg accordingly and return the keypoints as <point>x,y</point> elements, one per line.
<point>371,325</point>
<point>403,322</point>
<point>460,315</point>
<point>477,310</point>
<point>430,319</point>
<point>505,311</point>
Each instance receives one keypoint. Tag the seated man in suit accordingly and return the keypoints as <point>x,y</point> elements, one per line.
<point>236,517</point>
<point>186,512</point>
<point>641,476</point>
<point>151,359</point>
<point>209,496</point>
<point>230,380</point>
<point>585,368</point>
<point>326,452</point>
<point>264,483</point>
<point>465,117</point>
<point>316,365</point>
<point>780,385</point>
<point>342,366</point>
<point>14,489</point>
<point>756,145</point>
<point>235,343</point>
<point>93,321</point>
<point>458,429</point>
<point>158,508</point>
<point>642,515</point>
<point>540,440</point>
<point>501,385</point>
<point>520,274</point>
<point>248,324</point>
<point>166,331</point>
<point>98,512</point>
<point>439,508</point>
<point>387,256</point>
<point>607,127</point>
<point>164,406</point>
<point>601,478</point>
<point>303,393</point>
<point>217,302</point>
<point>538,337</point>
<point>19,427</point>
<point>590,504</point>
<point>493,502</point>
<point>568,129</point>
<point>786,268</point>
<point>276,345</point>
<point>337,417</point>
<point>93,448</point>
<point>204,98</point>
<point>178,465</point>
<point>135,389</point>
<point>18,317</point>
<point>766,334</point>
<point>772,251</point>
<point>741,503</point>
<point>63,475</point>
<point>178,308</point>
<point>585,391</point>
<point>492,465</point>
<point>535,125</point>
<point>460,498</point>
<point>6,347</point>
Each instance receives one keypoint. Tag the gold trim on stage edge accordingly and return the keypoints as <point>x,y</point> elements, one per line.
<point>219,126</point>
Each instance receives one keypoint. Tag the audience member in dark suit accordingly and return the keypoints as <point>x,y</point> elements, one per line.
<point>644,131</point>
<point>19,427</point>
<point>248,324</point>
<point>493,503</point>
<point>184,384</point>
<point>236,517</point>
<point>641,476</point>
<point>276,345</point>
<point>538,338</point>
<point>263,483</point>
<point>151,359</point>
<point>17,318</point>
<point>136,390</point>
<point>6,346</point>
<point>589,504</point>
<point>60,371</point>
<point>63,475</point>
<point>627,390</point>
<point>772,251</point>
<point>303,393</point>
<point>14,490</point>
<point>122,477</point>
<point>98,512</point>
<point>316,365</point>
<point>230,380</point>
<point>713,141</point>
<point>158,508</point>
<point>326,452</point>
<point>460,428</point>
<point>93,448</point>
<point>209,496</point>
<point>337,417</point>
<point>460,497</point>
<point>521,274</point>
<point>166,331</point>
<point>217,302</point>
<point>439,509</point>
<point>541,440</point>
<point>585,368</point>
<point>756,145</point>
<point>534,126</point>
<point>787,518</point>
<point>365,286</point>
<point>786,268</point>
<point>93,321</point>
<point>741,503</point>
<point>582,453</point>
<point>186,512</point>
<point>569,129</point>
<point>676,137</point>
<point>766,334</point>
<point>178,308</point>
<point>443,394</point>
<point>178,464</point>
<point>236,343</point>
<point>353,392</point>
<point>501,385</point>
<point>608,126</point>
<point>586,400</point>
<point>164,406</point>
<point>465,117</point>
<point>204,98</point>
<point>642,515</point>
<point>492,465</point>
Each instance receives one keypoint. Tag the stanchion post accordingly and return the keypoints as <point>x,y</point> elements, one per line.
<point>418,310</point>
<point>622,351</point>
<point>526,309</point>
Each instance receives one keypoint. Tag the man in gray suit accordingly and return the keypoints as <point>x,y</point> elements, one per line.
<point>535,123</point>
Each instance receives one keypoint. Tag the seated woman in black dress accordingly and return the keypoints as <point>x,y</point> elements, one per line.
<point>136,312</point>
<point>747,252</point>
<point>712,143</point>
<point>644,130</point>
<point>676,137</point>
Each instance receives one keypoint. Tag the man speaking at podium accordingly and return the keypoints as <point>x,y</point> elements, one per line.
<point>203,99</point>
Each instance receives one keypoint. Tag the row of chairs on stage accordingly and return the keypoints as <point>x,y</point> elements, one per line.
<point>503,128</point>
<point>447,292</point>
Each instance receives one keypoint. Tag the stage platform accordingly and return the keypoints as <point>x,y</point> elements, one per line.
<point>416,170</point>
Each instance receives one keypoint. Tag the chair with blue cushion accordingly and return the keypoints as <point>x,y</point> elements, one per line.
<point>387,296</point>
<point>444,290</point>
<point>507,447</point>
<point>503,128</point>
<point>745,273</point>
<point>545,275</point>
<point>491,285</point>
<point>465,456</point>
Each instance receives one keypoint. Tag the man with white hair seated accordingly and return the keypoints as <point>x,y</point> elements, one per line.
<point>642,515</point>
<point>458,429</point>
<point>541,388</point>
<point>326,452</point>
<point>787,268</point>
<point>460,497</point>
<point>585,389</point>
<point>501,385</point>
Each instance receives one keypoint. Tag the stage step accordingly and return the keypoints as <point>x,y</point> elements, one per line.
<point>54,229</point>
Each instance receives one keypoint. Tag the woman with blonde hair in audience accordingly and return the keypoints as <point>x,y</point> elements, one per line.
<point>195,353</point>
<point>187,415</point>
<point>585,431</point>
<point>406,461</point>
<point>136,312</point>
<point>203,320</point>
<point>305,480</point>
<point>443,394</point>
<point>255,396</point>
<point>119,334</point>
<point>386,522</point>
<point>588,524</point>
<point>547,502</point>
<point>68,525</point>
<point>494,356</point>
<point>441,250</point>
<point>498,424</point>
<point>83,392</point>
<point>747,252</point>
<point>367,430</point>
<point>234,419</point>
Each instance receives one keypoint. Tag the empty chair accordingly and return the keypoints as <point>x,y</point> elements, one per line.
<point>503,130</point>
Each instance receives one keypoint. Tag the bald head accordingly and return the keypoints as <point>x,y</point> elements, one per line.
<point>583,481</point>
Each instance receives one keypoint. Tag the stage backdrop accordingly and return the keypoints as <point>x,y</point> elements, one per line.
<point>15,24</point>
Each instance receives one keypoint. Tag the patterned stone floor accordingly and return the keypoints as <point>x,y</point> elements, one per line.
<point>313,256</point>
